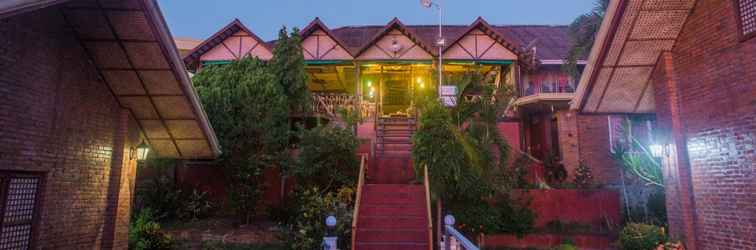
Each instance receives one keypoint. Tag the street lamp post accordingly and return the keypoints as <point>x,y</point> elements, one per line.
<point>440,42</point>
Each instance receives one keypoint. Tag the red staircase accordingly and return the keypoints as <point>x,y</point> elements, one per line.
<point>391,212</point>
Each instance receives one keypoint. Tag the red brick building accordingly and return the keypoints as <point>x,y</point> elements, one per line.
<point>82,83</point>
<point>693,65</point>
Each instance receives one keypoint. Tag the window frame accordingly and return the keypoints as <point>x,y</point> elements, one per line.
<point>739,20</point>
<point>5,177</point>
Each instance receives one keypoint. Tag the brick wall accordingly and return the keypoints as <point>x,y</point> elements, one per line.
<point>568,141</point>
<point>593,140</point>
<point>58,118</point>
<point>708,104</point>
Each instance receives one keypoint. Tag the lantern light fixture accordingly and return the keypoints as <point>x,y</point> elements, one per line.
<point>142,150</point>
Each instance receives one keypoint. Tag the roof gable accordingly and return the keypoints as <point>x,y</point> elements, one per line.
<point>482,41</point>
<point>318,43</point>
<point>395,41</point>
<point>232,42</point>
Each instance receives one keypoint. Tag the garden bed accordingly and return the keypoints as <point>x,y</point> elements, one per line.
<point>547,241</point>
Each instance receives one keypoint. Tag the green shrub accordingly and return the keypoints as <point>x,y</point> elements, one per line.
<point>565,247</point>
<point>161,197</point>
<point>308,227</point>
<point>195,205</point>
<point>636,236</point>
<point>328,158</point>
<point>145,233</point>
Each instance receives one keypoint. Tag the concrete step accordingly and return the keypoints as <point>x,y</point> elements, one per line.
<point>392,246</point>
<point>392,222</point>
<point>386,210</point>
<point>393,235</point>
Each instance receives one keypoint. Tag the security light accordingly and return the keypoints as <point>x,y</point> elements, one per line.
<point>656,150</point>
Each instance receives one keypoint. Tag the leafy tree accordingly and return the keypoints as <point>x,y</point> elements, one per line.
<point>249,113</point>
<point>327,158</point>
<point>466,156</point>
<point>582,33</point>
<point>288,70</point>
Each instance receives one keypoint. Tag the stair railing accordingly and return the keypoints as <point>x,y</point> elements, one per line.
<point>455,239</point>
<point>358,198</point>
<point>426,183</point>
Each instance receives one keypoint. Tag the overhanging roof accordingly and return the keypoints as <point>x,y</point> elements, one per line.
<point>632,36</point>
<point>133,50</point>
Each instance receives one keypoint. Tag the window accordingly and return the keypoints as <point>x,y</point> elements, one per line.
<point>746,17</point>
<point>20,196</point>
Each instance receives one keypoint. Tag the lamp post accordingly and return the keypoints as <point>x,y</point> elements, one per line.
<point>330,240</point>
<point>440,42</point>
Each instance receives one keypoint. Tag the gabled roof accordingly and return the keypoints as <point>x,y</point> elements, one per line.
<point>317,24</point>
<point>218,38</point>
<point>396,24</point>
<point>490,31</point>
<point>552,41</point>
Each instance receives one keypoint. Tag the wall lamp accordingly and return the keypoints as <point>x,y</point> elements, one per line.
<point>140,152</point>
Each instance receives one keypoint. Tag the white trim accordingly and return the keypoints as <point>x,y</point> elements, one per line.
<point>559,62</point>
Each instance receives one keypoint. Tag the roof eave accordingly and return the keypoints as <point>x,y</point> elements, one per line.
<point>598,52</point>
<point>166,41</point>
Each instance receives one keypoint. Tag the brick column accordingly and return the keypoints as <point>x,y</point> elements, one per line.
<point>113,237</point>
<point>677,173</point>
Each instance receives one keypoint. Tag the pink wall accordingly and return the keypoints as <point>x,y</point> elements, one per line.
<point>511,132</point>
<point>320,46</point>
<point>237,46</point>
<point>478,45</point>
<point>594,207</point>
<point>381,50</point>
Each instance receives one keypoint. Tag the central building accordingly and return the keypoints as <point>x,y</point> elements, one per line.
<point>378,71</point>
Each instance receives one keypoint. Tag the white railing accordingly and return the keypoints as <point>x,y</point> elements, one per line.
<point>454,240</point>
<point>328,104</point>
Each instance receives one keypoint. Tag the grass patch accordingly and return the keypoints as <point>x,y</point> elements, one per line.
<point>217,245</point>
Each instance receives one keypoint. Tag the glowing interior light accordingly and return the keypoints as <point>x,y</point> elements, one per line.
<point>419,80</point>
<point>369,83</point>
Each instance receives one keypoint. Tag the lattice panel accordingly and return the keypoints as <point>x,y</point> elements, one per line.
<point>748,16</point>
<point>18,213</point>
<point>623,32</point>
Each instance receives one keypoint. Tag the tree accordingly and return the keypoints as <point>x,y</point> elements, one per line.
<point>327,159</point>
<point>288,68</point>
<point>248,111</point>
<point>467,158</point>
<point>582,33</point>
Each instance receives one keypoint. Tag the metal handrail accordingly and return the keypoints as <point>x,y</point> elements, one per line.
<point>426,183</point>
<point>461,239</point>
<point>360,183</point>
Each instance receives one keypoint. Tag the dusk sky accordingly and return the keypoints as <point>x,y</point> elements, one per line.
<point>199,19</point>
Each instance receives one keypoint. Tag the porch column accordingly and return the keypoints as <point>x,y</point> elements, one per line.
<point>358,88</point>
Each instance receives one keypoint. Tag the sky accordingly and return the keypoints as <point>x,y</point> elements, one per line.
<point>199,19</point>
